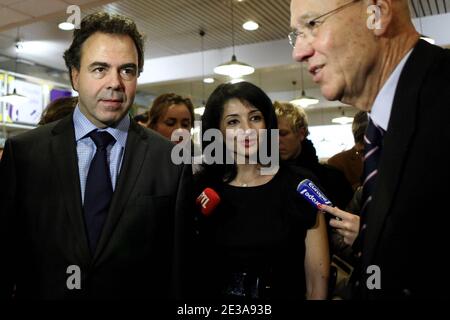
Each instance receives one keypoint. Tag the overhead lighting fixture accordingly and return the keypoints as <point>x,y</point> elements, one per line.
<point>250,25</point>
<point>236,80</point>
<point>303,101</point>
<point>14,98</point>
<point>202,34</point>
<point>342,119</point>
<point>199,111</point>
<point>427,39</point>
<point>234,68</point>
<point>19,45</point>
<point>66,26</point>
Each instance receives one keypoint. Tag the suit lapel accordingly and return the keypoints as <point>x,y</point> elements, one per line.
<point>402,125</point>
<point>63,149</point>
<point>133,159</point>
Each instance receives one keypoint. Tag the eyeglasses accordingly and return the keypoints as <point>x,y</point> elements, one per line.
<point>313,24</point>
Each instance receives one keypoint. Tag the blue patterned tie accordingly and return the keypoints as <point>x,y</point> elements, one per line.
<point>98,191</point>
<point>373,139</point>
<point>372,150</point>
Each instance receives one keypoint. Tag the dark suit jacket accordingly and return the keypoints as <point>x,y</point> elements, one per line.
<point>409,219</point>
<point>140,252</point>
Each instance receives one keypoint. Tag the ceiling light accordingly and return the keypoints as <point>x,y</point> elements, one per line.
<point>66,26</point>
<point>236,80</point>
<point>208,80</point>
<point>428,39</point>
<point>199,111</point>
<point>234,68</point>
<point>19,45</point>
<point>250,25</point>
<point>342,120</point>
<point>14,98</point>
<point>303,101</point>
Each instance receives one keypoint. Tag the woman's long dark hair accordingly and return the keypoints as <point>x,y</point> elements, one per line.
<point>246,92</point>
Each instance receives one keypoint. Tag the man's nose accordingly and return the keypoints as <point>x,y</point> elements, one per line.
<point>303,49</point>
<point>115,81</point>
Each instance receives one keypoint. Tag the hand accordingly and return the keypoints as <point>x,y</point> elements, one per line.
<point>346,223</point>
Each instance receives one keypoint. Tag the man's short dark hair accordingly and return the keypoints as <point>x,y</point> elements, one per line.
<point>105,23</point>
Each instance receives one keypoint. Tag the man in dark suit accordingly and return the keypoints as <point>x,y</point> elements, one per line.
<point>377,63</point>
<point>92,205</point>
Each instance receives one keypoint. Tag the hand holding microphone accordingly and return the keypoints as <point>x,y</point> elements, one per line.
<point>345,223</point>
<point>208,201</point>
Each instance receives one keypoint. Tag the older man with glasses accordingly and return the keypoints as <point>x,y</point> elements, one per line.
<point>368,54</point>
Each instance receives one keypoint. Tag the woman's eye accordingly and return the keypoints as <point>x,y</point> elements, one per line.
<point>186,125</point>
<point>256,118</point>
<point>232,122</point>
<point>170,123</point>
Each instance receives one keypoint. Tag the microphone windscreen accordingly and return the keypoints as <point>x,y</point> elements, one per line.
<point>208,201</point>
<point>308,190</point>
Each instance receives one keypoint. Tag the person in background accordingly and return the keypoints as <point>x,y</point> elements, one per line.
<point>297,150</point>
<point>368,54</point>
<point>92,205</point>
<point>170,112</point>
<point>263,241</point>
<point>58,109</point>
<point>350,162</point>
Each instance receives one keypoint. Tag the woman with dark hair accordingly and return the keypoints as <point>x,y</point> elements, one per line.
<point>263,240</point>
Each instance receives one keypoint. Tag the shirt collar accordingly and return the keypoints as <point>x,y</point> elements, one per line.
<point>382,107</point>
<point>83,127</point>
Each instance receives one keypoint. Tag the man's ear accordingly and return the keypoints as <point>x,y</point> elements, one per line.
<point>380,15</point>
<point>74,78</point>
<point>301,134</point>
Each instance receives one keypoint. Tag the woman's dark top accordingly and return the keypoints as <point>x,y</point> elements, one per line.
<point>254,242</point>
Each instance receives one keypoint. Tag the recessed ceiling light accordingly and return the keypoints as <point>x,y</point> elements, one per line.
<point>250,25</point>
<point>66,26</point>
<point>208,80</point>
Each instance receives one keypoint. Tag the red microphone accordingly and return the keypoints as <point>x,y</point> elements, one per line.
<point>208,200</point>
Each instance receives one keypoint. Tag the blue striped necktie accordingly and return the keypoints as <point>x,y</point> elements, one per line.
<point>373,140</point>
